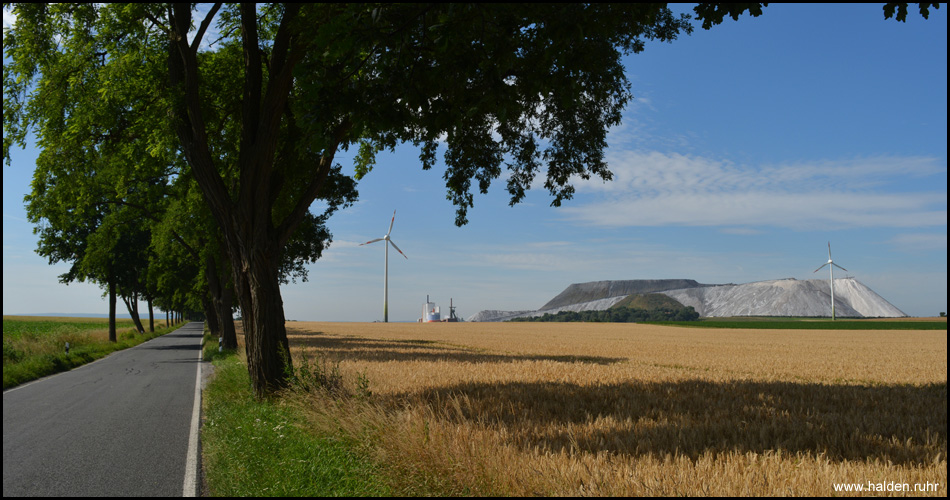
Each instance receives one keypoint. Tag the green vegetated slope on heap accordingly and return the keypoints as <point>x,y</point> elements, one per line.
<point>595,290</point>
<point>638,307</point>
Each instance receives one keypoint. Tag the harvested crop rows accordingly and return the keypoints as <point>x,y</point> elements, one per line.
<point>623,409</point>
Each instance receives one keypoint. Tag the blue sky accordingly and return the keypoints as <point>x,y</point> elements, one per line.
<point>746,150</point>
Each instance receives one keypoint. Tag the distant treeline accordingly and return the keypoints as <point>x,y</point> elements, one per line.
<point>633,309</point>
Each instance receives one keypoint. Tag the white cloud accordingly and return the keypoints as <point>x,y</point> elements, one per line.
<point>657,189</point>
<point>9,19</point>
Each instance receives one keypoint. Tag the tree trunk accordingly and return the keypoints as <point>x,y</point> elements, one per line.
<point>151,317</point>
<point>252,242</point>
<point>167,322</point>
<point>135,315</point>
<point>213,326</point>
<point>226,318</point>
<point>112,335</point>
<point>132,304</point>
<point>222,297</point>
<point>265,335</point>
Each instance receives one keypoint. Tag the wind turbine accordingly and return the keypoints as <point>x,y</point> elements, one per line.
<point>832,271</point>
<point>386,275</point>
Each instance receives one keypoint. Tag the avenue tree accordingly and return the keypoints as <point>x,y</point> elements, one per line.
<point>261,98</point>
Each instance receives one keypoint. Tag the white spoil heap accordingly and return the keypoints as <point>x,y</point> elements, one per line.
<point>788,297</point>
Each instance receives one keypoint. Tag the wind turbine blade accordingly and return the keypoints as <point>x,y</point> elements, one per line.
<point>398,250</point>
<point>391,224</point>
<point>829,251</point>
<point>820,268</point>
<point>371,241</point>
<point>839,267</point>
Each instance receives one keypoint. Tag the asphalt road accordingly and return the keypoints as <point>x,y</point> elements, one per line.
<point>116,427</point>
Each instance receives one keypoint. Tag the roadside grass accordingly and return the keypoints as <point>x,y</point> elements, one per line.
<point>322,437</point>
<point>209,347</point>
<point>783,323</point>
<point>266,448</point>
<point>35,347</point>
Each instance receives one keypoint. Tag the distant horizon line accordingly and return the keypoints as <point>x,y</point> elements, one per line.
<point>80,315</point>
<point>127,316</point>
<point>145,316</point>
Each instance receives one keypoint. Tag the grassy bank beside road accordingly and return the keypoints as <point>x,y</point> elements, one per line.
<point>265,448</point>
<point>35,346</point>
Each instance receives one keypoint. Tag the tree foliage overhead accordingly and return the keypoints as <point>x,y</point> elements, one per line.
<point>899,10</point>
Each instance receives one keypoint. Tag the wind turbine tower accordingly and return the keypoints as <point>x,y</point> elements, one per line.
<point>386,268</point>
<point>831,265</point>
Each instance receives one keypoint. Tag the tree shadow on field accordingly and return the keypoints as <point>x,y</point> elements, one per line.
<point>904,424</point>
<point>354,348</point>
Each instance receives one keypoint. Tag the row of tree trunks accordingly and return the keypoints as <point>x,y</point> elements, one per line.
<point>221,301</point>
<point>210,316</point>
<point>252,242</point>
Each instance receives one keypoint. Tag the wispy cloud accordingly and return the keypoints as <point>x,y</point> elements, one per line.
<point>740,231</point>
<point>536,261</point>
<point>338,252</point>
<point>920,242</point>
<point>658,189</point>
<point>7,216</point>
<point>531,255</point>
<point>586,259</point>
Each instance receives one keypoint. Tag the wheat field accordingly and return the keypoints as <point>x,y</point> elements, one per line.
<point>626,409</point>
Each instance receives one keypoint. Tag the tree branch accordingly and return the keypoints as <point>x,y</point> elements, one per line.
<point>290,223</point>
<point>204,27</point>
<point>264,110</point>
<point>149,215</point>
<point>191,129</point>
<point>251,102</point>
<point>156,22</point>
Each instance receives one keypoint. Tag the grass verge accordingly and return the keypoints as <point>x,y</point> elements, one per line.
<point>265,448</point>
<point>327,435</point>
<point>38,350</point>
